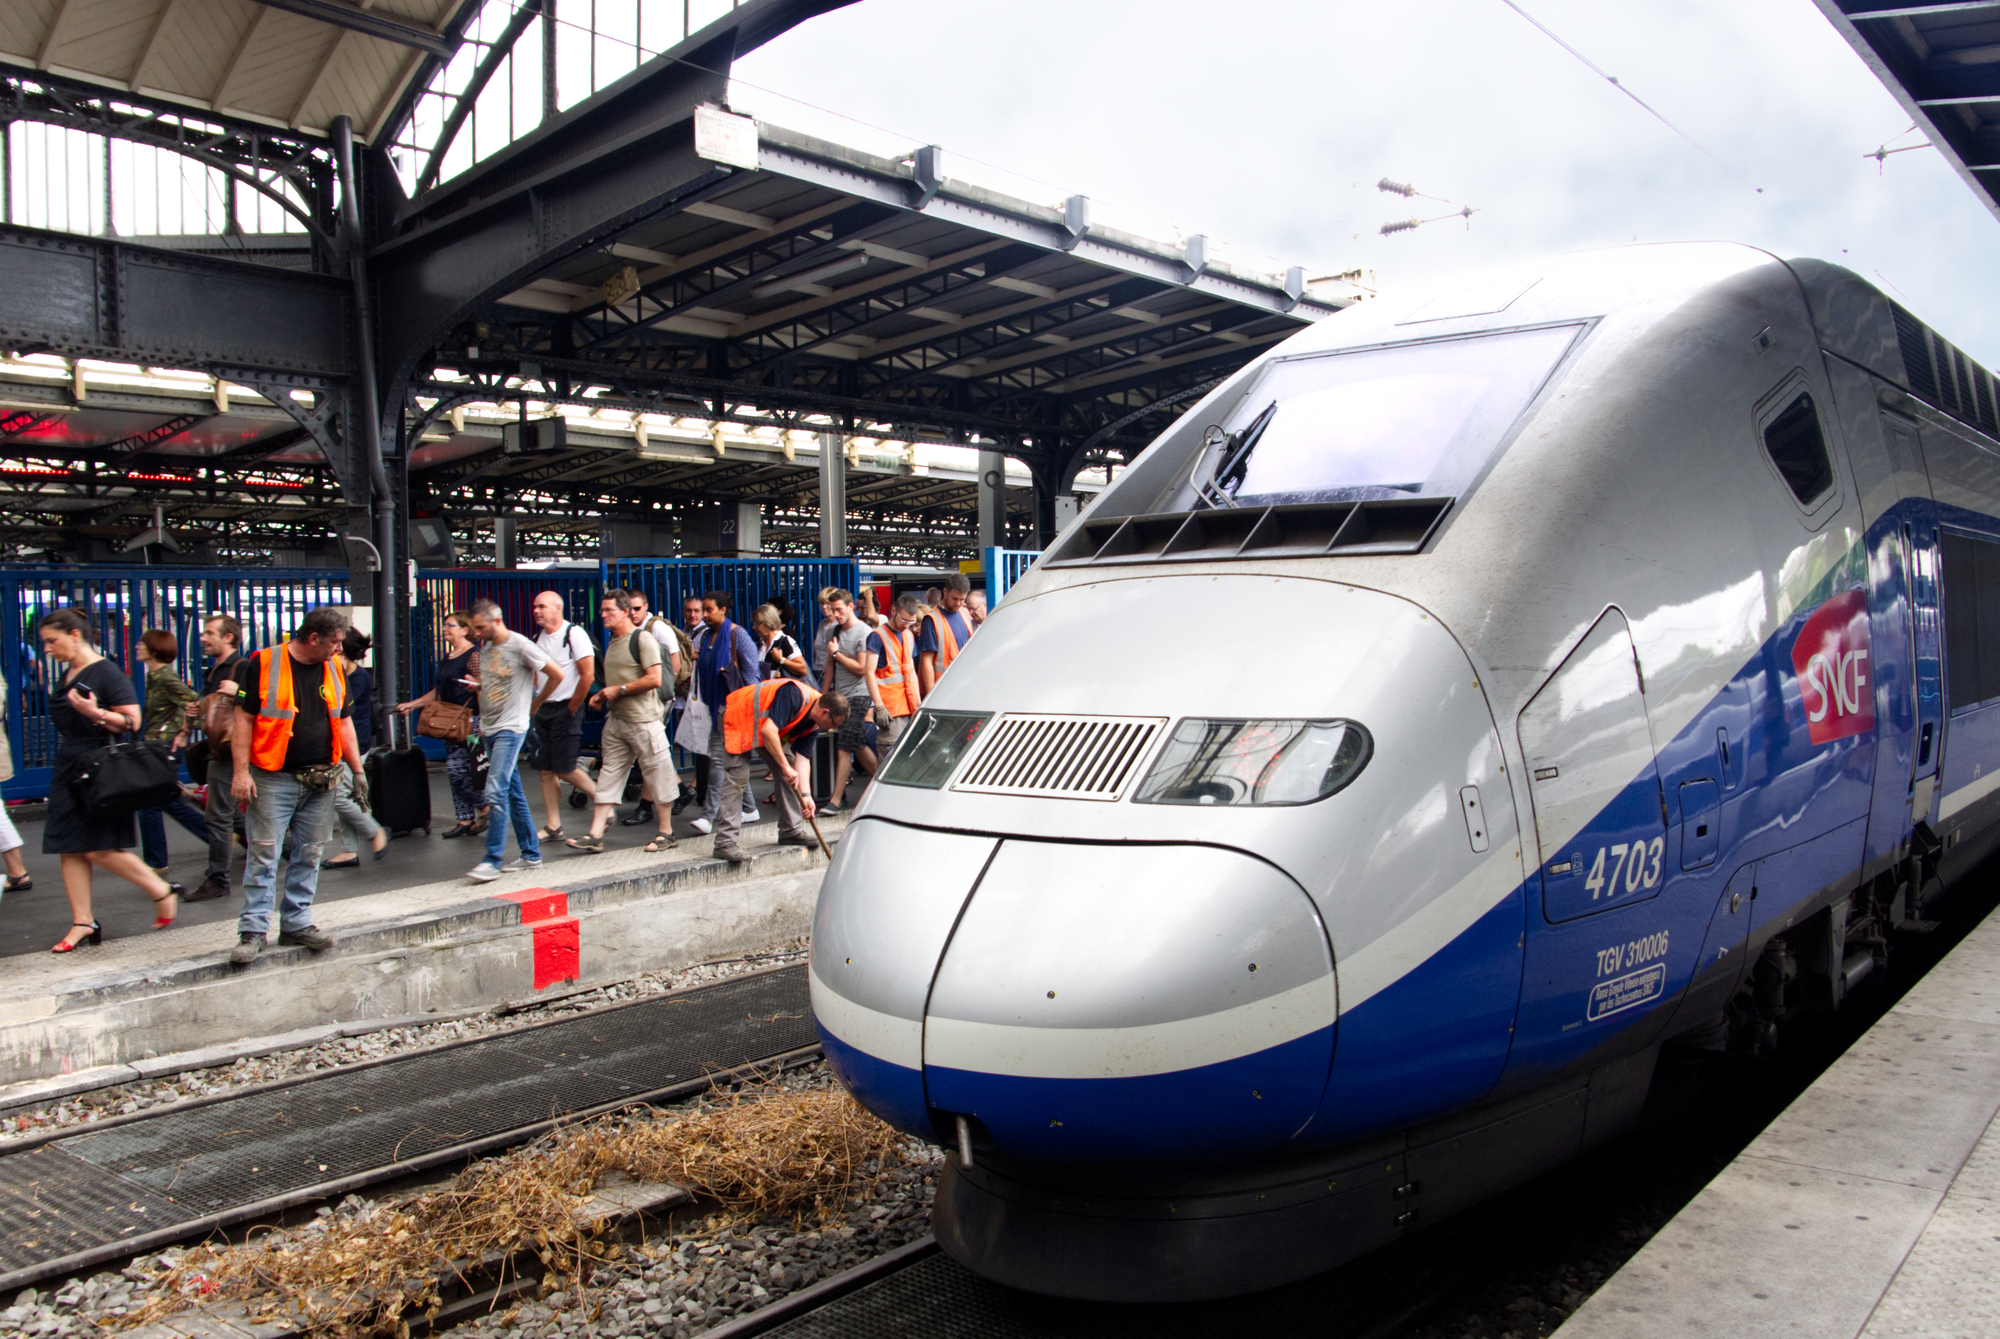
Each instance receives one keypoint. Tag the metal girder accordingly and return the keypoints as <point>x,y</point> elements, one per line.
<point>762,262</point>
<point>141,442</point>
<point>619,157</point>
<point>358,20</point>
<point>847,314</point>
<point>254,156</point>
<point>101,298</point>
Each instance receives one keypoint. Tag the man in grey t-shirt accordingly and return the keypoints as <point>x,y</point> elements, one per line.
<point>515,676</point>
<point>845,643</point>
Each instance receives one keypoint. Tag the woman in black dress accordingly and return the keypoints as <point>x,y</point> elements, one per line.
<point>458,669</point>
<point>92,704</point>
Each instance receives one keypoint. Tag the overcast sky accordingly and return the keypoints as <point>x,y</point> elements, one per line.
<point>1268,122</point>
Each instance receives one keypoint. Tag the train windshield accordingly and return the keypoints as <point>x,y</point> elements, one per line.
<point>1409,419</point>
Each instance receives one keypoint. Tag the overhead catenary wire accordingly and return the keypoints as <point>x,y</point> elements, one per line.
<point>1612,79</point>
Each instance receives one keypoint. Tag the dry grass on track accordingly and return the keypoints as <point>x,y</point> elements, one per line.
<point>762,1153</point>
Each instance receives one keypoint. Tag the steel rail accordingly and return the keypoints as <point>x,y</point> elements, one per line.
<point>196,1227</point>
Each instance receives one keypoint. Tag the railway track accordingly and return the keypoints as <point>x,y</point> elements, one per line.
<point>74,1199</point>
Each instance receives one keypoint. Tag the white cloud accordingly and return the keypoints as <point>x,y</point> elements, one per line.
<point>1255,121</point>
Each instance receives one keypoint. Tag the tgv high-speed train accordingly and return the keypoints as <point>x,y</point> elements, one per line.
<point>1459,703</point>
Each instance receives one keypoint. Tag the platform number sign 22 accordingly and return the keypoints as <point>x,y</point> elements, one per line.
<point>1637,863</point>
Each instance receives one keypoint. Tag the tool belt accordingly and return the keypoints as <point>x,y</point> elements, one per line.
<point>321,777</point>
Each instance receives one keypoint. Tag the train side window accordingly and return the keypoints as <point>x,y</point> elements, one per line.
<point>1971,618</point>
<point>1798,448</point>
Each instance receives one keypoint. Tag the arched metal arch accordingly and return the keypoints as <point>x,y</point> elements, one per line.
<point>91,112</point>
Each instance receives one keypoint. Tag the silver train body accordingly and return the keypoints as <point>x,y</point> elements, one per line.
<point>1455,706</point>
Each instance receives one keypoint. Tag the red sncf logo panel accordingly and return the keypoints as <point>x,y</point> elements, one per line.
<point>1831,660</point>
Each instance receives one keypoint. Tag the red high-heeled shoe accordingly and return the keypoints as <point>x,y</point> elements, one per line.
<point>65,945</point>
<point>174,890</point>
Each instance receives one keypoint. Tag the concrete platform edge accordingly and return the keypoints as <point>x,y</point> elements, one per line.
<point>447,961</point>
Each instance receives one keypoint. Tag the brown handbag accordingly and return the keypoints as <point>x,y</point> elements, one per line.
<point>446,721</point>
<point>216,715</point>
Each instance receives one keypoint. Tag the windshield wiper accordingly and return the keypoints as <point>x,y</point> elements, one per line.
<point>1233,462</point>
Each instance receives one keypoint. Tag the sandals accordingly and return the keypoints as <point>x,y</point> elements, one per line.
<point>551,833</point>
<point>175,891</point>
<point>661,843</point>
<point>584,843</point>
<point>19,883</point>
<point>68,945</point>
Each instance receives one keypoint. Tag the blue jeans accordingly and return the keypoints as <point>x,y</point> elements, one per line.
<point>153,829</point>
<point>289,819</point>
<point>506,797</point>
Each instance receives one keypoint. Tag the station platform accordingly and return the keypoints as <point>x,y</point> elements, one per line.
<point>1870,1207</point>
<point>415,938</point>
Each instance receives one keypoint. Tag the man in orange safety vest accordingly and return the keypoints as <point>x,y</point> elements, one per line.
<point>292,733</point>
<point>779,716</point>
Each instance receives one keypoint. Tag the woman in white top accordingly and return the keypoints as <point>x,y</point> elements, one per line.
<point>783,658</point>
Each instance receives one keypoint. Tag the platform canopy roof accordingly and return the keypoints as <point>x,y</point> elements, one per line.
<point>296,63</point>
<point>709,299</point>
<point>1942,61</point>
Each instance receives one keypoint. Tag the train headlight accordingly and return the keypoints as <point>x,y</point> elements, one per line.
<point>938,741</point>
<point>1245,762</point>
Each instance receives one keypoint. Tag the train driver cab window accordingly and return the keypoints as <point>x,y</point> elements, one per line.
<point>1797,448</point>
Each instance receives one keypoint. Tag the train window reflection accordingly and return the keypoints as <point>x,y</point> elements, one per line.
<point>1256,762</point>
<point>1407,419</point>
<point>935,744</point>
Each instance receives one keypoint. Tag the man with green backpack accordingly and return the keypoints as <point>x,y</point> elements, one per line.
<point>633,716</point>
<point>678,652</point>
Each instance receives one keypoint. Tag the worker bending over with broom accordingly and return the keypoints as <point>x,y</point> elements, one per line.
<point>779,716</point>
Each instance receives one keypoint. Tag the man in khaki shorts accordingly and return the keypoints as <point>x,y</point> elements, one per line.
<point>633,731</point>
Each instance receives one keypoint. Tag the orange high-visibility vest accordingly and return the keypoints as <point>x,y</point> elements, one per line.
<point>892,673</point>
<point>273,730</point>
<point>746,710</point>
<point>947,643</point>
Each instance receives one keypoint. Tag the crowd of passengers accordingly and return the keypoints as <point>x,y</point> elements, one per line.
<point>275,739</point>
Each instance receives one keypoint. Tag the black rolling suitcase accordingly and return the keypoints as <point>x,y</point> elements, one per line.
<point>399,784</point>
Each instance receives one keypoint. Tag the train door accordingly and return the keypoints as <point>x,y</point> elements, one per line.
<point>1600,818</point>
<point>1893,614</point>
<point>1921,539</point>
<point>1597,961</point>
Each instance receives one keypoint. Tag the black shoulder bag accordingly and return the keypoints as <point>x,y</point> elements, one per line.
<point>124,778</point>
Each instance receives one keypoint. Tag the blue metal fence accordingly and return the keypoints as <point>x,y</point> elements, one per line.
<point>749,581</point>
<point>122,603</point>
<point>126,601</point>
<point>1003,568</point>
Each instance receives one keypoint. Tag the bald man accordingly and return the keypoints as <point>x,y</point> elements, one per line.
<point>558,722</point>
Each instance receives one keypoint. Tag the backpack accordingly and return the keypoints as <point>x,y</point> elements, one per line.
<point>678,687</point>
<point>596,654</point>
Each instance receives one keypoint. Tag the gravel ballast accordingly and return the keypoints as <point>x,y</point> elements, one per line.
<point>705,1270</point>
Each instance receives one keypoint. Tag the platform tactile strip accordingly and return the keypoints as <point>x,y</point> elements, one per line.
<point>1949,1286</point>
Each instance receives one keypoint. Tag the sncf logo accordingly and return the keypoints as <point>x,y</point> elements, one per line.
<point>1831,659</point>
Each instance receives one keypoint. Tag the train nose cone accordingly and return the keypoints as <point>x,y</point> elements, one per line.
<point>1131,1003</point>
<point>885,912</point>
